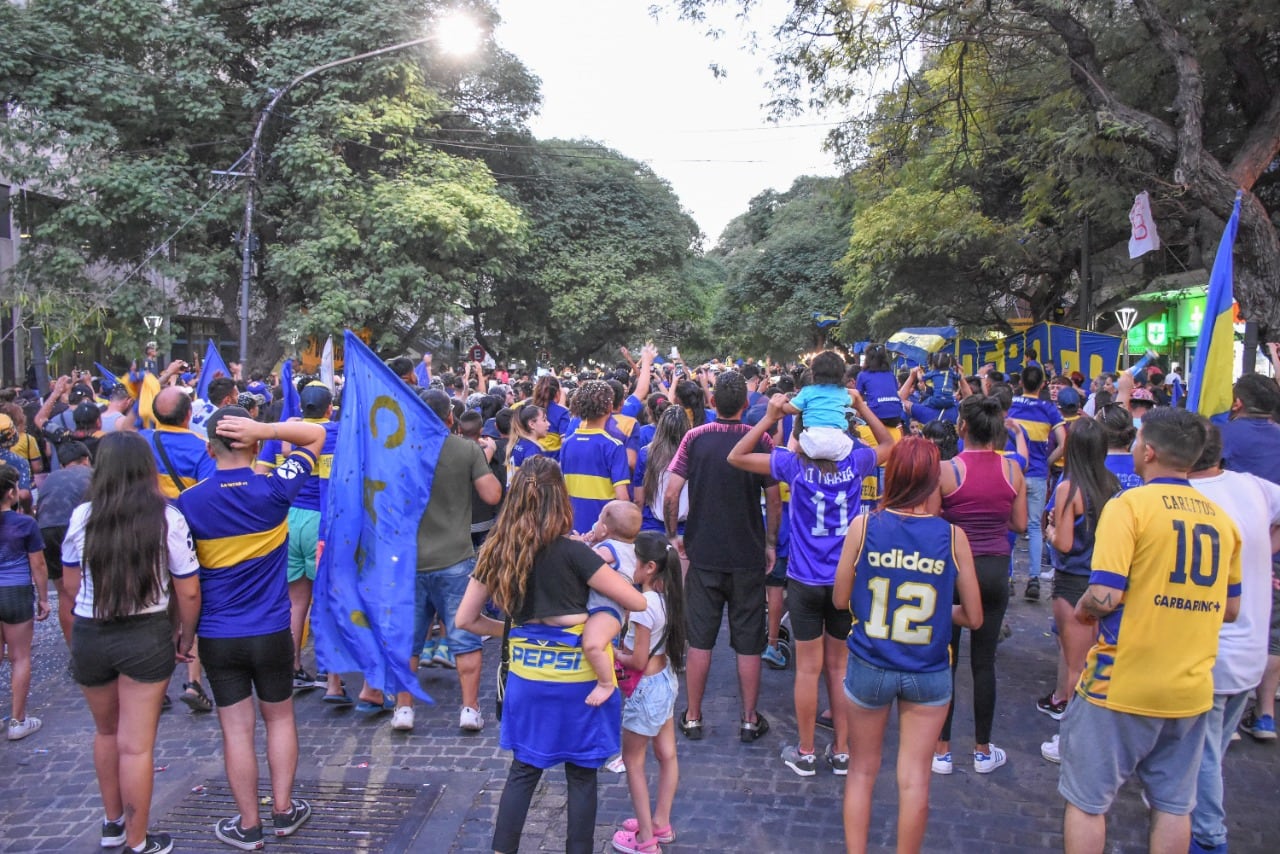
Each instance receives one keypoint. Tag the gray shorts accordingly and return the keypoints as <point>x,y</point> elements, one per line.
<point>1101,749</point>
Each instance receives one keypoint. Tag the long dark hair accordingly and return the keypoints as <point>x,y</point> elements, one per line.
<point>691,398</point>
<point>125,537</point>
<point>653,546</point>
<point>670,429</point>
<point>1086,467</point>
<point>546,391</point>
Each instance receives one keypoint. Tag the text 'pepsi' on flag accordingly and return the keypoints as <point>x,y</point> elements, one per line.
<point>213,364</point>
<point>388,445</point>
<point>1211,389</point>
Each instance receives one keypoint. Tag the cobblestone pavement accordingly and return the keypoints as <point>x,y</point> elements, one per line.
<point>733,796</point>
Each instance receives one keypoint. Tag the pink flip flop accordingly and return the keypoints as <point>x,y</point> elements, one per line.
<point>625,842</point>
<point>662,834</point>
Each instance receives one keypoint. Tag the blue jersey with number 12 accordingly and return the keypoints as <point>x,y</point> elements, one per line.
<point>904,581</point>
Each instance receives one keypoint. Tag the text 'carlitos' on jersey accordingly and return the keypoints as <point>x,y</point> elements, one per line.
<point>1176,556</point>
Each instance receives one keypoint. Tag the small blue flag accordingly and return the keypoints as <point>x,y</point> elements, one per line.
<point>109,380</point>
<point>387,449</point>
<point>212,364</point>
<point>291,404</point>
<point>421,374</point>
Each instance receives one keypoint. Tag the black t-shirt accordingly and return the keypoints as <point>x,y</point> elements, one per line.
<point>558,582</point>
<point>725,529</point>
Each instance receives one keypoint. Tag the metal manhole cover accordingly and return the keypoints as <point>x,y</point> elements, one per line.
<point>346,817</point>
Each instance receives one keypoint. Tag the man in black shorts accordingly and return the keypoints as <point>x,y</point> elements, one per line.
<point>730,550</point>
<point>238,519</point>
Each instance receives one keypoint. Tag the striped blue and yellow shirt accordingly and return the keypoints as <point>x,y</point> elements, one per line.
<point>594,464</point>
<point>239,521</point>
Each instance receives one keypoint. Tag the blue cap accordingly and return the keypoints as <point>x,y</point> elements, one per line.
<point>188,377</point>
<point>1069,397</point>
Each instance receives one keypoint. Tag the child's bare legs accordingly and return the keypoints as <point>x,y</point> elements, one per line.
<point>634,746</point>
<point>664,748</point>
<point>598,633</point>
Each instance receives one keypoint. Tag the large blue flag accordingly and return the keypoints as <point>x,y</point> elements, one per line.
<point>1211,374</point>
<point>212,364</point>
<point>388,445</point>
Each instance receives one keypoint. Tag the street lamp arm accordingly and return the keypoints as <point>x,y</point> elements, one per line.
<point>251,175</point>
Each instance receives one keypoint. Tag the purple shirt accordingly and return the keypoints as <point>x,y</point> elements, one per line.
<point>820,509</point>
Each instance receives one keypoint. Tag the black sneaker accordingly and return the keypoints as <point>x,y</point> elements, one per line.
<point>1050,708</point>
<point>287,822</point>
<point>749,732</point>
<point>1032,593</point>
<point>303,681</point>
<point>113,833</point>
<point>157,843</point>
<point>232,832</point>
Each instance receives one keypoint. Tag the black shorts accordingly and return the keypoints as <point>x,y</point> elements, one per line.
<point>705,595</point>
<point>813,612</point>
<point>241,667</point>
<point>777,576</point>
<point>1069,587</point>
<point>139,647</point>
<point>1273,644</point>
<point>17,604</point>
<point>53,549</point>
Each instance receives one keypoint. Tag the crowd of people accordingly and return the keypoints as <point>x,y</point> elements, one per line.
<point>851,520</point>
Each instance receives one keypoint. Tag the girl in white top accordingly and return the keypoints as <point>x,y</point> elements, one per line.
<point>655,646</point>
<point>122,550</point>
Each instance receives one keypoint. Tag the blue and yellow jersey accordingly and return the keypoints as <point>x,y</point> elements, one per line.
<point>520,451</point>
<point>873,485</point>
<point>1176,556</point>
<point>593,463</point>
<point>558,417</point>
<point>315,491</point>
<point>238,519</point>
<point>188,452</point>
<point>903,584</point>
<point>1036,417</point>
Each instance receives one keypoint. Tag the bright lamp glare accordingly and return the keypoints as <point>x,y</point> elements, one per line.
<point>458,34</point>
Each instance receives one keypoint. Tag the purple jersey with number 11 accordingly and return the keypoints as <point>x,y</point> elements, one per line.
<point>820,509</point>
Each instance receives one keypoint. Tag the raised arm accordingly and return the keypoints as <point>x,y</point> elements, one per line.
<point>744,454</point>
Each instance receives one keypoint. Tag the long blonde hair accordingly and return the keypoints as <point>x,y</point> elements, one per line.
<point>535,513</point>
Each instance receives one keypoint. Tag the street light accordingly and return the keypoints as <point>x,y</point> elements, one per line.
<point>456,33</point>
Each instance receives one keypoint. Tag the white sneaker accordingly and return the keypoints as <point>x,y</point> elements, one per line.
<point>942,764</point>
<point>985,763</point>
<point>402,718</point>
<point>22,729</point>
<point>1049,750</point>
<point>471,720</point>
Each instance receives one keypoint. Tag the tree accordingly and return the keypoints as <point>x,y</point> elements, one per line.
<point>1186,83</point>
<point>613,258</point>
<point>374,212</point>
<point>780,262</point>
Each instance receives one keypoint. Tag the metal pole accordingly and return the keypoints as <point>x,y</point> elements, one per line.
<point>1086,279</point>
<point>251,175</point>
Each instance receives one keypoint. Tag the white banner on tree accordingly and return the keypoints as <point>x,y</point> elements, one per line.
<point>1142,236</point>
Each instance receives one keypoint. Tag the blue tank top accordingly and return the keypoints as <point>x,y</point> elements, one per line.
<point>1078,559</point>
<point>903,588</point>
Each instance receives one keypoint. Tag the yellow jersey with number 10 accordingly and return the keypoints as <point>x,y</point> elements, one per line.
<point>1176,556</point>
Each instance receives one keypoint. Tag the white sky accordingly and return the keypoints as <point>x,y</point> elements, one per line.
<point>612,73</point>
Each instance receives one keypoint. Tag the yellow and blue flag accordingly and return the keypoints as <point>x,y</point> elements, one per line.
<point>212,364</point>
<point>388,445</point>
<point>1211,389</point>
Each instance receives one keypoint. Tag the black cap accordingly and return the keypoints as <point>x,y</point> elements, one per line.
<point>80,392</point>
<point>86,413</point>
<point>211,426</point>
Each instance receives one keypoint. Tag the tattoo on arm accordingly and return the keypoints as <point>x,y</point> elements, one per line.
<point>1099,606</point>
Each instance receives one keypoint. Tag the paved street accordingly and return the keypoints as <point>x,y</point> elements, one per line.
<point>436,790</point>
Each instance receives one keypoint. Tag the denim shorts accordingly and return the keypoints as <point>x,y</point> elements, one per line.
<point>652,704</point>
<point>140,647</point>
<point>17,604</point>
<point>439,593</point>
<point>873,687</point>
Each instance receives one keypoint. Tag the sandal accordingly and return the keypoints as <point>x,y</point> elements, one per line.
<point>662,834</point>
<point>388,704</point>
<point>824,720</point>
<point>625,842</point>
<point>692,729</point>
<point>749,732</point>
<point>195,697</point>
<point>342,698</point>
